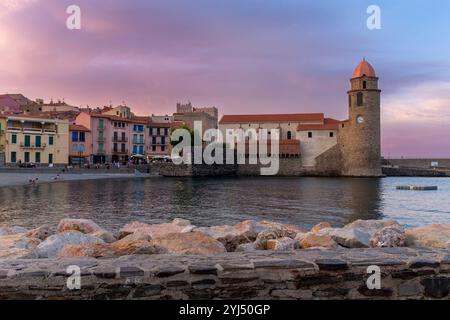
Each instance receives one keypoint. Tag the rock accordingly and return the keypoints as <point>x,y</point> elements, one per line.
<point>125,246</point>
<point>5,231</point>
<point>246,247</point>
<point>320,226</point>
<point>156,230</point>
<point>371,226</point>
<point>53,244</point>
<point>106,236</point>
<point>313,240</point>
<point>270,234</point>
<point>358,233</point>
<point>42,232</point>
<point>289,228</point>
<point>232,236</point>
<point>137,244</point>
<point>282,244</point>
<point>432,236</point>
<point>82,225</point>
<point>347,237</point>
<point>195,242</point>
<point>16,246</point>
<point>388,237</point>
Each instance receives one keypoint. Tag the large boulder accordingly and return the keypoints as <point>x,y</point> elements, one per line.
<point>126,246</point>
<point>82,225</point>
<point>358,233</point>
<point>5,231</point>
<point>15,246</point>
<point>313,240</point>
<point>232,236</point>
<point>196,243</point>
<point>432,236</point>
<point>157,230</point>
<point>53,244</point>
<point>388,237</point>
<point>282,244</point>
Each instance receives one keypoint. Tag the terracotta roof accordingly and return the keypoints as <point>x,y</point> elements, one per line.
<point>110,117</point>
<point>328,124</point>
<point>77,127</point>
<point>249,118</point>
<point>364,69</point>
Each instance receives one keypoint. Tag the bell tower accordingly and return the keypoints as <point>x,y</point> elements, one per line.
<point>359,136</point>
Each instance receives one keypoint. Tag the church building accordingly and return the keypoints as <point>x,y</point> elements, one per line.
<point>326,146</point>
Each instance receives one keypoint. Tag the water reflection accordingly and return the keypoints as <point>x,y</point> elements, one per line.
<point>213,201</point>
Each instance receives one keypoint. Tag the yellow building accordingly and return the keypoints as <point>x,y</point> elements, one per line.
<point>36,140</point>
<point>2,140</point>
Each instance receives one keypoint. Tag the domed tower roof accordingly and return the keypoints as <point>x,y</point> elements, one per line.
<point>364,69</point>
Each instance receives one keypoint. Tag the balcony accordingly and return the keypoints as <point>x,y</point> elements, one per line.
<point>138,142</point>
<point>100,139</point>
<point>32,146</point>
<point>122,151</point>
<point>120,139</point>
<point>14,129</point>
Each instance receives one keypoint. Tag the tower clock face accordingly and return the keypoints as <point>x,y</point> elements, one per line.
<point>360,119</point>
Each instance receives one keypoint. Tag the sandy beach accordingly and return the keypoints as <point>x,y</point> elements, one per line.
<point>17,179</point>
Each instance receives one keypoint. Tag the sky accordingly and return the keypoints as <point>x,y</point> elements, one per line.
<point>242,56</point>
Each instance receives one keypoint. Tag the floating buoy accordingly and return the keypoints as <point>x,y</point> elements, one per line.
<point>419,188</point>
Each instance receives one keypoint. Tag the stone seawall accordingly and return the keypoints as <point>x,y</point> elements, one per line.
<point>406,273</point>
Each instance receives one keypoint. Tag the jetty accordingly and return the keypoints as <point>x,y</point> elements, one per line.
<point>418,188</point>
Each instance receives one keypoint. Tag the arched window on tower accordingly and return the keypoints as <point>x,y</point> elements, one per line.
<point>364,84</point>
<point>359,99</point>
<point>289,135</point>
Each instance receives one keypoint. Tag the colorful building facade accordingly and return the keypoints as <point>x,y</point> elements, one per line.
<point>38,141</point>
<point>80,145</point>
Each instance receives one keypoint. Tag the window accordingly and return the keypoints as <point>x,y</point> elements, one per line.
<point>141,150</point>
<point>50,158</point>
<point>141,138</point>
<point>74,136</point>
<point>81,147</point>
<point>359,99</point>
<point>122,147</point>
<point>50,140</point>
<point>153,140</point>
<point>100,124</point>
<point>158,131</point>
<point>309,134</point>
<point>27,142</point>
<point>13,157</point>
<point>289,135</point>
<point>38,141</point>
<point>163,148</point>
<point>74,148</point>
<point>116,136</point>
<point>163,140</point>
<point>331,134</point>
<point>100,148</point>
<point>115,147</point>
<point>150,131</point>
<point>153,148</point>
<point>364,84</point>
<point>27,157</point>
<point>83,136</point>
<point>37,157</point>
<point>135,148</point>
<point>135,138</point>
<point>166,131</point>
<point>14,138</point>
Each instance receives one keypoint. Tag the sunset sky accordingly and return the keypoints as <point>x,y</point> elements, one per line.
<point>242,56</point>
